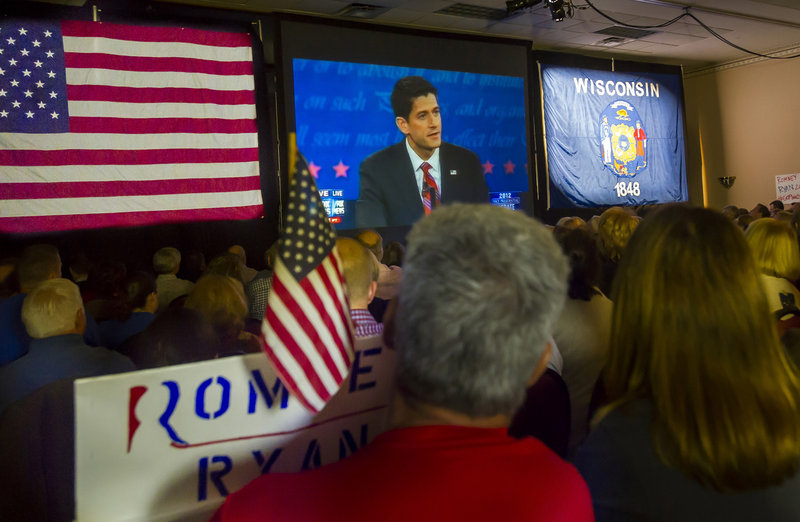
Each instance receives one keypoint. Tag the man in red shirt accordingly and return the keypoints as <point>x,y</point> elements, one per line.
<point>481,288</point>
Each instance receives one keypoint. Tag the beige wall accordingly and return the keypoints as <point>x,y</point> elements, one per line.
<point>748,121</point>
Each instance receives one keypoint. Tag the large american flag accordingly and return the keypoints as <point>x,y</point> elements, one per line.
<point>115,125</point>
<point>307,329</point>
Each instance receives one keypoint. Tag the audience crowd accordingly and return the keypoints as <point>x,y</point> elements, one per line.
<point>624,367</point>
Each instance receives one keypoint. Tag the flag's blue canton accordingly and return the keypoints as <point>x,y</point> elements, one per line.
<point>307,235</point>
<point>33,87</point>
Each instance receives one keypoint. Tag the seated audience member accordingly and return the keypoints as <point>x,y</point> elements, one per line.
<point>775,207</point>
<point>54,318</point>
<point>138,310</point>
<point>774,246</point>
<point>704,415</point>
<point>220,299</point>
<point>166,263</point>
<point>744,221</point>
<point>481,288</point>
<point>227,264</point>
<point>193,265</point>
<point>759,211</point>
<point>361,274</point>
<point>175,336</point>
<point>247,273</point>
<point>730,211</point>
<point>784,216</point>
<point>257,290</point>
<point>582,330</point>
<point>389,277</point>
<point>614,228</point>
<point>393,254</point>
<point>36,264</point>
<point>570,222</point>
<point>103,295</point>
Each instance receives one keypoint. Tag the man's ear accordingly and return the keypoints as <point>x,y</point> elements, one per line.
<point>80,321</point>
<point>541,366</point>
<point>402,124</point>
<point>373,287</point>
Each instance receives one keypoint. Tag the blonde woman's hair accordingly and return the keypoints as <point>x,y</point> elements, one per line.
<point>692,332</point>
<point>614,228</point>
<point>774,246</point>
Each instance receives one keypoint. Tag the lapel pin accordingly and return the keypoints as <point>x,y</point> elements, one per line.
<point>453,172</point>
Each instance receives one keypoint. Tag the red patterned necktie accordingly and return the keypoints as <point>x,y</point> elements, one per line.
<point>430,191</point>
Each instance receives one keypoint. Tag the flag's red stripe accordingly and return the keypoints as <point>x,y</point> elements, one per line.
<point>31,158</point>
<point>154,34</point>
<point>289,343</point>
<point>286,377</point>
<point>88,189</point>
<point>161,125</point>
<point>329,285</point>
<point>36,224</point>
<point>312,329</point>
<point>148,64</point>
<point>158,95</point>
<point>328,320</point>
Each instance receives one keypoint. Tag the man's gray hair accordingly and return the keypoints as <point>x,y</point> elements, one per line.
<point>166,260</point>
<point>51,308</point>
<point>482,286</point>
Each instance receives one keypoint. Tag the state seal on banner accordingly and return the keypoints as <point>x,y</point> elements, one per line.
<point>623,139</point>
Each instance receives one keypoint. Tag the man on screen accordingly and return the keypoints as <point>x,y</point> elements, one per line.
<point>405,181</point>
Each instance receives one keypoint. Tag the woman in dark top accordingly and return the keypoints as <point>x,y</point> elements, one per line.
<point>703,421</point>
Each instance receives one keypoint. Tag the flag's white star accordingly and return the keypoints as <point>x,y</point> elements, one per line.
<point>26,72</point>
<point>24,52</point>
<point>42,105</point>
<point>37,43</point>
<point>1,50</point>
<point>54,115</point>
<point>53,94</point>
<point>14,83</point>
<point>2,71</point>
<point>12,62</point>
<point>10,41</point>
<point>51,74</point>
<point>2,93</point>
<point>37,63</point>
<point>23,31</point>
<point>29,114</point>
<point>28,94</point>
<point>40,84</point>
<point>49,54</point>
<point>16,104</point>
<point>3,114</point>
<point>48,34</point>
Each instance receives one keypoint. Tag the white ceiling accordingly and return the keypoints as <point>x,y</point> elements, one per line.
<point>764,25</point>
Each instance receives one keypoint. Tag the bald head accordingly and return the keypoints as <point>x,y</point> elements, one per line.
<point>238,251</point>
<point>360,271</point>
<point>373,241</point>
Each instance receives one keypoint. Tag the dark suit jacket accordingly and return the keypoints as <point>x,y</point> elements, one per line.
<point>389,195</point>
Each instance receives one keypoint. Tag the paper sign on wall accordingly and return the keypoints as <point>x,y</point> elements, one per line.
<point>787,188</point>
<point>170,443</point>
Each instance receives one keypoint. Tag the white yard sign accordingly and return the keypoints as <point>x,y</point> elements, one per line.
<point>170,443</point>
<point>787,188</point>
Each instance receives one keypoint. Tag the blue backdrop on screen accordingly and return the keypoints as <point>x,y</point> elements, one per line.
<point>343,114</point>
<point>613,138</point>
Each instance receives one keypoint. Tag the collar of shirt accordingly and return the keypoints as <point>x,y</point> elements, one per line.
<point>417,162</point>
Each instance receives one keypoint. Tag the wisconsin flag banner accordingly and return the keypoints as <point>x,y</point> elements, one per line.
<point>114,125</point>
<point>307,330</point>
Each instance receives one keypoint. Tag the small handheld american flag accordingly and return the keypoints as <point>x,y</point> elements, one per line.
<point>307,329</point>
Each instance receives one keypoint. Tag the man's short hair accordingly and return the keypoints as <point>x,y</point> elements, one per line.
<point>36,264</point>
<point>482,286</point>
<point>359,266</point>
<point>778,204</point>
<point>50,309</point>
<point>166,260</point>
<point>406,90</point>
